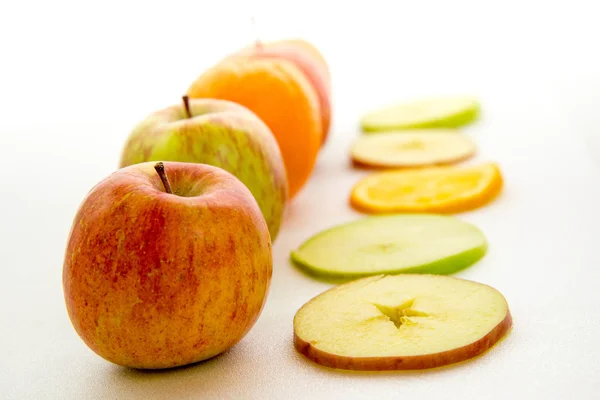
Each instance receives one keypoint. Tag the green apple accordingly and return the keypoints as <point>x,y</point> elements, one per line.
<point>401,322</point>
<point>159,275</point>
<point>409,243</point>
<point>219,133</point>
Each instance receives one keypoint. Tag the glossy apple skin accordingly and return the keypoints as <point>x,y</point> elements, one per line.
<point>306,59</point>
<point>223,134</point>
<point>156,280</point>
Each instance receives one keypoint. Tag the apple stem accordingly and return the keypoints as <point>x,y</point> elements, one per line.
<point>186,104</point>
<point>257,41</point>
<point>160,170</point>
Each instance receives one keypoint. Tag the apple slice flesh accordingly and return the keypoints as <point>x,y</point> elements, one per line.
<point>411,243</point>
<point>443,112</point>
<point>401,322</point>
<point>412,148</point>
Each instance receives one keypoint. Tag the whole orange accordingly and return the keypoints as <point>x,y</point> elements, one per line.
<point>279,93</point>
<point>309,60</point>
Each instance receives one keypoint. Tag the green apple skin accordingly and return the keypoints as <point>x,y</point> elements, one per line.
<point>219,133</point>
<point>155,280</point>
<point>444,266</point>
<point>454,121</point>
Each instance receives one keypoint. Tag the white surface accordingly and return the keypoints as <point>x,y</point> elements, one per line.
<point>75,76</point>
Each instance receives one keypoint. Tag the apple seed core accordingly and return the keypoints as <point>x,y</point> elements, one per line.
<point>400,315</point>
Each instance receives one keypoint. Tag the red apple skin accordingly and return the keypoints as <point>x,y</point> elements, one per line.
<point>156,280</point>
<point>425,361</point>
<point>312,66</point>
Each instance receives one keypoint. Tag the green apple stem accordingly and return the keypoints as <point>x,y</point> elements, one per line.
<point>160,170</point>
<point>186,104</point>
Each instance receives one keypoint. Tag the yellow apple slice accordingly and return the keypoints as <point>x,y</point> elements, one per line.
<point>443,112</point>
<point>412,148</point>
<point>401,322</point>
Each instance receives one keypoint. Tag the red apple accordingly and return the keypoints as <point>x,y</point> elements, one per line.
<point>166,267</point>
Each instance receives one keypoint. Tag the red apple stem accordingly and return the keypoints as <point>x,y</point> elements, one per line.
<point>186,104</point>
<point>160,170</point>
<point>257,41</point>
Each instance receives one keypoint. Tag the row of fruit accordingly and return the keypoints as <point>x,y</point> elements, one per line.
<point>262,113</point>
<point>399,310</point>
<point>169,258</point>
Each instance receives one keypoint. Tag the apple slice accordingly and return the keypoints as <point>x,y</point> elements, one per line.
<point>410,243</point>
<point>412,148</point>
<point>444,112</point>
<point>401,322</point>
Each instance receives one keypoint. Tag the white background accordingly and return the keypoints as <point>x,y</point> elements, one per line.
<point>76,76</point>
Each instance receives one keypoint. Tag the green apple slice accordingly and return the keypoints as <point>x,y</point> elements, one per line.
<point>425,113</point>
<point>408,243</point>
<point>401,322</point>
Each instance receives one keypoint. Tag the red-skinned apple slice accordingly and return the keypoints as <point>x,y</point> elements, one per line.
<point>401,322</point>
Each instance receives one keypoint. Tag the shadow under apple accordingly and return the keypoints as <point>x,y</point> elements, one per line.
<point>179,382</point>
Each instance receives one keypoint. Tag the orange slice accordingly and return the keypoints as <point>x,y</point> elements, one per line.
<point>437,189</point>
